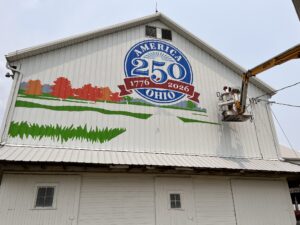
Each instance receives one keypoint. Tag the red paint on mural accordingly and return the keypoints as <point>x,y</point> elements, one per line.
<point>62,88</point>
<point>34,87</point>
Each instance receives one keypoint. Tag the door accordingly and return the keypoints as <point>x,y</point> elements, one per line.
<point>262,202</point>
<point>174,201</point>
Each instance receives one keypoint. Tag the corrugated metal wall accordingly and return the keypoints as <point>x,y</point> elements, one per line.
<point>17,197</point>
<point>100,62</point>
<point>214,203</point>
<point>117,199</point>
<point>262,202</point>
<point>133,199</point>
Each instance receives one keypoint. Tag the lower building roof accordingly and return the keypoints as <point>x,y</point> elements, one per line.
<point>61,155</point>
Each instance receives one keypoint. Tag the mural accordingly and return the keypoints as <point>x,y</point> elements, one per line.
<point>158,72</point>
<point>157,76</point>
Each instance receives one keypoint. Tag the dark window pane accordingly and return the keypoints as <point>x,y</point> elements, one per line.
<point>44,197</point>
<point>150,31</point>
<point>41,191</point>
<point>166,34</point>
<point>175,201</point>
<point>173,206</point>
<point>48,201</point>
<point>39,202</point>
<point>50,191</point>
<point>172,197</point>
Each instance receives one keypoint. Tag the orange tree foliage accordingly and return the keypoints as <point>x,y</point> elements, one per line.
<point>114,97</point>
<point>34,87</point>
<point>105,94</point>
<point>88,92</point>
<point>62,88</point>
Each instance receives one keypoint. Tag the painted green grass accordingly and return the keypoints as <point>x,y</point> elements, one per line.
<point>63,134</point>
<point>179,108</point>
<point>51,98</point>
<point>188,120</point>
<point>26,104</point>
<point>199,114</point>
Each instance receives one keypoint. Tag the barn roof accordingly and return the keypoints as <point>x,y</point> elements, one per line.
<point>24,53</point>
<point>26,154</point>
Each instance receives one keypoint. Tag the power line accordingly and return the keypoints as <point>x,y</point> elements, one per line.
<point>274,92</point>
<point>278,103</point>
<point>282,130</point>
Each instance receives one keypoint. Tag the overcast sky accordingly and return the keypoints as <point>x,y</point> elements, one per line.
<point>248,32</point>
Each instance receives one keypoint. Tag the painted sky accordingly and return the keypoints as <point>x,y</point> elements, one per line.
<point>248,32</point>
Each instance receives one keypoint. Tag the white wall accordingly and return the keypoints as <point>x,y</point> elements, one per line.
<point>113,199</point>
<point>262,202</point>
<point>214,204</point>
<point>17,199</point>
<point>116,199</point>
<point>100,62</point>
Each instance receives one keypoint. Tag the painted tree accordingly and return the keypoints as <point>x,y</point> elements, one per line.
<point>88,92</point>
<point>114,97</point>
<point>62,88</point>
<point>105,94</point>
<point>34,87</point>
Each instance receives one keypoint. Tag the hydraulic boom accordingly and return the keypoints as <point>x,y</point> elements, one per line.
<point>233,101</point>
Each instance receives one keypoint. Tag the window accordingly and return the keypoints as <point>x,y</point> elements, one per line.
<point>175,201</point>
<point>44,197</point>
<point>151,31</point>
<point>166,34</point>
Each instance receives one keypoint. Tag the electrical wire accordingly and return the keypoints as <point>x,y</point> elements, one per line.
<point>278,103</point>
<point>274,92</point>
<point>282,130</point>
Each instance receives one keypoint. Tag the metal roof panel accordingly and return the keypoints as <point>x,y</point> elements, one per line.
<point>39,154</point>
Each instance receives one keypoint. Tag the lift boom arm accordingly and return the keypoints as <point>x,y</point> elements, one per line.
<point>292,53</point>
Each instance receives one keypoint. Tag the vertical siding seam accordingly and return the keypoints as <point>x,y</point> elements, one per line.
<point>234,208</point>
<point>256,134</point>
<point>272,133</point>
<point>195,201</point>
<point>79,199</point>
<point>154,200</point>
<point>286,190</point>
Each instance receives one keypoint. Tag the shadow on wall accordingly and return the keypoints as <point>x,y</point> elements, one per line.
<point>230,144</point>
<point>228,134</point>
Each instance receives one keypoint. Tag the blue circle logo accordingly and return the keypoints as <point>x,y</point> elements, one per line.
<point>158,72</point>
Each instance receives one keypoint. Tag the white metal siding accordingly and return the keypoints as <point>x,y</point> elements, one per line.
<point>266,136</point>
<point>262,202</point>
<point>185,214</point>
<point>129,199</point>
<point>213,201</point>
<point>100,62</point>
<point>18,194</point>
<point>117,199</point>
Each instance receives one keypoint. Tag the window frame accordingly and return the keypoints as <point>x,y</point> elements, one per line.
<point>149,26</point>
<point>162,30</point>
<point>181,194</point>
<point>41,185</point>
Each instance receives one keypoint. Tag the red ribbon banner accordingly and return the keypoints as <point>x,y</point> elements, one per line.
<point>132,83</point>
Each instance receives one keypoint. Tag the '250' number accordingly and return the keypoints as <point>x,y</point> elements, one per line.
<point>157,71</point>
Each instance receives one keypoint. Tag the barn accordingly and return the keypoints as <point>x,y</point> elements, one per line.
<point>122,126</point>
